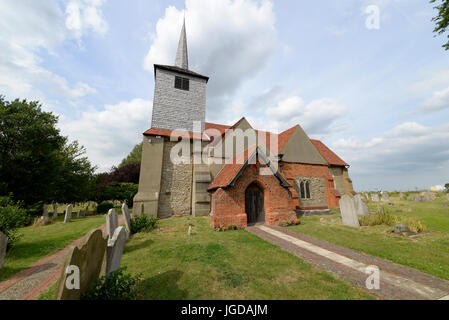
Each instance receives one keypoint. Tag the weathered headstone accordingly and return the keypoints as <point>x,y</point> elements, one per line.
<point>111,223</point>
<point>45,211</point>
<point>360,206</point>
<point>78,214</point>
<point>401,196</point>
<point>366,196</point>
<point>115,249</point>
<point>401,228</point>
<point>55,210</point>
<point>348,212</point>
<point>68,214</point>
<point>88,257</point>
<point>375,197</point>
<point>447,196</point>
<point>3,246</point>
<point>385,197</point>
<point>125,212</point>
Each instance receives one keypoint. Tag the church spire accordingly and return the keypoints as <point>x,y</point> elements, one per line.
<point>182,58</point>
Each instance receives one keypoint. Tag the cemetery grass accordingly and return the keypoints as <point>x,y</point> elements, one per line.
<point>428,253</point>
<point>38,242</point>
<point>223,265</point>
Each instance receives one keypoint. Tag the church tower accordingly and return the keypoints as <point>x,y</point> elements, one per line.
<point>179,94</point>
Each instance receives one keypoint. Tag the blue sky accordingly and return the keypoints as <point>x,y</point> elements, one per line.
<point>378,97</point>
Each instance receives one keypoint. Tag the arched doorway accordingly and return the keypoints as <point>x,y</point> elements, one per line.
<point>254,204</point>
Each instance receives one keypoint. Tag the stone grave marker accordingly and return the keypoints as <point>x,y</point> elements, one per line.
<point>68,214</point>
<point>375,197</point>
<point>348,212</point>
<point>88,257</point>
<point>45,211</point>
<point>360,206</point>
<point>114,251</point>
<point>385,197</point>
<point>111,223</point>
<point>401,196</point>
<point>3,247</point>
<point>55,210</point>
<point>78,214</point>
<point>125,212</point>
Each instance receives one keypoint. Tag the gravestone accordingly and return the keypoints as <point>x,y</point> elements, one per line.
<point>78,214</point>
<point>375,197</point>
<point>3,247</point>
<point>55,210</point>
<point>366,196</point>
<point>111,223</point>
<point>348,212</point>
<point>447,196</point>
<point>45,211</point>
<point>401,228</point>
<point>88,257</point>
<point>125,212</point>
<point>445,205</point>
<point>115,249</point>
<point>68,214</point>
<point>360,206</point>
<point>401,196</point>
<point>385,197</point>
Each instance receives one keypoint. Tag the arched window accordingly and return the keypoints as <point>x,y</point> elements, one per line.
<point>308,190</point>
<point>302,190</point>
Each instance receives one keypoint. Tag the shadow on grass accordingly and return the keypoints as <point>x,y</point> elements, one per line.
<point>140,245</point>
<point>164,286</point>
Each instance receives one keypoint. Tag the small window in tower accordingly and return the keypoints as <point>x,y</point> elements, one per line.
<point>182,83</point>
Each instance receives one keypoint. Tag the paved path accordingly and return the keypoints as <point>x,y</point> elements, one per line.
<point>397,282</point>
<point>30,283</point>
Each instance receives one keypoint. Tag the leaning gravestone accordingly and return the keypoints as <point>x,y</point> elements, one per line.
<point>385,197</point>
<point>375,197</point>
<point>68,214</point>
<point>125,212</point>
<point>111,223</point>
<point>88,257</point>
<point>348,212</point>
<point>360,206</point>
<point>114,250</point>
<point>55,210</point>
<point>3,246</point>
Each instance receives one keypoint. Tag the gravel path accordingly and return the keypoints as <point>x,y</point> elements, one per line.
<point>397,282</point>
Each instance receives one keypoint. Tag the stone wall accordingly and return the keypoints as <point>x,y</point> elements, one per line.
<point>177,109</point>
<point>317,192</point>
<point>318,175</point>
<point>176,183</point>
<point>337,173</point>
<point>349,189</point>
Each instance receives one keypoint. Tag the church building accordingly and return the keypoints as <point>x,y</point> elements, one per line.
<point>270,179</point>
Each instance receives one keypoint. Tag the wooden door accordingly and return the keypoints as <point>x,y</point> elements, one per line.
<point>254,205</point>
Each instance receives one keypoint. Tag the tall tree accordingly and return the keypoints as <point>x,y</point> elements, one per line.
<point>442,19</point>
<point>36,162</point>
<point>135,156</point>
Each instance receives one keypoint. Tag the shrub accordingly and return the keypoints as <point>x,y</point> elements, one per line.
<point>382,218</point>
<point>116,286</point>
<point>415,225</point>
<point>12,217</point>
<point>142,223</point>
<point>104,207</point>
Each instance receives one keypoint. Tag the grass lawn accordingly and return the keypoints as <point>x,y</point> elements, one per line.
<point>429,253</point>
<point>39,242</point>
<point>225,265</point>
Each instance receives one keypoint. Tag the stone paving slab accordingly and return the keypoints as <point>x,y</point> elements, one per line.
<point>397,282</point>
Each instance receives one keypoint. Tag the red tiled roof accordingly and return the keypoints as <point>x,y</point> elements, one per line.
<point>229,171</point>
<point>285,136</point>
<point>328,154</point>
<point>168,133</point>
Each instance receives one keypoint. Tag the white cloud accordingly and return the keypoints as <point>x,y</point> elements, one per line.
<point>438,101</point>
<point>111,133</point>
<point>228,40</point>
<point>83,15</point>
<point>26,27</point>
<point>407,150</point>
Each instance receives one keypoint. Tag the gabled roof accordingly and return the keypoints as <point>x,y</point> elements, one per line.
<point>231,172</point>
<point>328,154</point>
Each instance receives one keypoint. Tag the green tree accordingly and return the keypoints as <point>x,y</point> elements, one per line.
<point>135,156</point>
<point>442,19</point>
<point>446,186</point>
<point>37,164</point>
